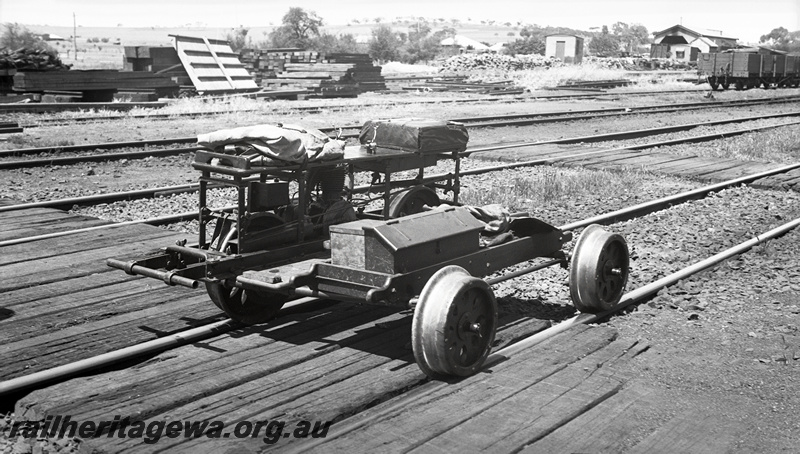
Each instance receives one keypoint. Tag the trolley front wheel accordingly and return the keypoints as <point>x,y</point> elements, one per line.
<point>454,324</point>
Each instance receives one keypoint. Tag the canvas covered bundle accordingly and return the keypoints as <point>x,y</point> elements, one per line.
<point>278,143</point>
<point>415,135</point>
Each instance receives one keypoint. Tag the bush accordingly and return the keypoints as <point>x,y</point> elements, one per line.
<point>17,36</point>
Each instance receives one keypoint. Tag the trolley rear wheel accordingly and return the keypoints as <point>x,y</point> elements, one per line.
<point>246,306</point>
<point>454,324</point>
<point>599,270</point>
<point>412,200</point>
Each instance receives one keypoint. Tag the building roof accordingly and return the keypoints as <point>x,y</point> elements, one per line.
<point>674,39</point>
<point>705,41</point>
<point>463,41</point>
<point>53,37</point>
<point>695,32</point>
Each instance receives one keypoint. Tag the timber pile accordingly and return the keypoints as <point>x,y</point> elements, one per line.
<point>95,85</point>
<point>158,60</point>
<point>458,84</point>
<point>326,75</point>
<point>24,59</point>
<point>591,85</point>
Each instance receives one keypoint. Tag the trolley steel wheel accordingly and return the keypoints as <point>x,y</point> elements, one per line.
<point>454,324</point>
<point>246,306</point>
<point>599,270</point>
<point>411,201</point>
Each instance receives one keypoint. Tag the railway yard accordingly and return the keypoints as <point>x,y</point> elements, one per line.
<point>701,355</point>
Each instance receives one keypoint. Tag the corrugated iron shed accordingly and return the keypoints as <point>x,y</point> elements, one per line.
<point>212,65</point>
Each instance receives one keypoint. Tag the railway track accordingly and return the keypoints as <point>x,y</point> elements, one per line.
<point>515,350</point>
<point>548,155</point>
<point>302,366</point>
<point>475,122</point>
<point>615,216</point>
<point>44,108</point>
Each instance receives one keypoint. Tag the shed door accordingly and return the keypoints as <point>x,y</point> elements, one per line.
<point>560,46</point>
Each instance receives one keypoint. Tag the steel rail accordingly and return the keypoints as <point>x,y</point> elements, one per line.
<point>162,220</point>
<point>581,139</point>
<point>481,121</point>
<point>430,179</point>
<point>643,292</point>
<point>103,198</point>
<point>40,108</point>
<point>158,345</point>
<point>635,296</point>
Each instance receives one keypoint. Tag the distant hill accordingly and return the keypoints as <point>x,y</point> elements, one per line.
<point>159,36</point>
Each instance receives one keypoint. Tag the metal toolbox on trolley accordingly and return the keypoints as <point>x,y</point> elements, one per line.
<point>405,244</point>
<point>415,135</point>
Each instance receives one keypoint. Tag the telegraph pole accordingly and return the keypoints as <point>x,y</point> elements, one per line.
<point>75,35</point>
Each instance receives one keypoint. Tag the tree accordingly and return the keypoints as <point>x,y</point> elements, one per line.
<point>777,35</point>
<point>16,36</point>
<point>328,43</point>
<point>299,26</point>
<point>531,42</point>
<point>604,44</point>
<point>631,36</point>
<point>782,39</point>
<point>384,44</point>
<point>238,40</point>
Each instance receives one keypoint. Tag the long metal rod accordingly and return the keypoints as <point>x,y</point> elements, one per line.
<point>154,346</point>
<point>103,198</point>
<point>526,270</point>
<point>641,293</point>
<point>503,354</point>
<point>626,213</point>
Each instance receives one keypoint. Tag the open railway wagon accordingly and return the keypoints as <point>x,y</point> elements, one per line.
<point>300,229</point>
<point>746,70</point>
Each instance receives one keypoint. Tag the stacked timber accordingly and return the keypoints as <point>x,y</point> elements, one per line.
<point>24,60</point>
<point>95,85</point>
<point>460,84</point>
<point>362,70</point>
<point>266,63</point>
<point>159,60</point>
<point>331,75</point>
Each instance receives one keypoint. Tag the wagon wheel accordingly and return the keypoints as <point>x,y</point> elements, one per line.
<point>739,85</point>
<point>411,201</point>
<point>245,306</point>
<point>454,324</point>
<point>599,270</point>
<point>725,84</point>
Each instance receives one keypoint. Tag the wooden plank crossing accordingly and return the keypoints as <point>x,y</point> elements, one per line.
<point>347,363</point>
<point>61,302</point>
<point>705,169</point>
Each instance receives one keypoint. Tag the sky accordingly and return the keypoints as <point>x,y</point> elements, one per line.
<point>746,20</point>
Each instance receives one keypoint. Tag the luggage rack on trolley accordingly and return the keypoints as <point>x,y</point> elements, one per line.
<point>411,250</point>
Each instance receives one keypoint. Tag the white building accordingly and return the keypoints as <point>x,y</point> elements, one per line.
<point>567,48</point>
